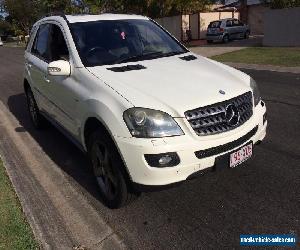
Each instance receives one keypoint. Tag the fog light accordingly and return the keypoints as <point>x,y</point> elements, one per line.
<point>165,160</point>
<point>162,160</point>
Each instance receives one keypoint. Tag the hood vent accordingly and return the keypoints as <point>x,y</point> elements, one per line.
<point>188,58</point>
<point>127,68</point>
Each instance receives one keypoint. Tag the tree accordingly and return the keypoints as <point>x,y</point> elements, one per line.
<point>5,28</point>
<point>23,13</point>
<point>280,4</point>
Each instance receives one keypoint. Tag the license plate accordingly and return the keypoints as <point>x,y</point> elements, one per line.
<point>241,155</point>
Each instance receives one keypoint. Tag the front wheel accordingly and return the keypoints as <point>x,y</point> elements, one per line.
<point>109,171</point>
<point>35,116</point>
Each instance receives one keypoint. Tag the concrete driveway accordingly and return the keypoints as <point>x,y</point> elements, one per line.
<point>215,49</point>
<point>61,199</point>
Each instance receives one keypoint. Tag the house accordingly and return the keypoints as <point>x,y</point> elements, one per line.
<point>251,12</point>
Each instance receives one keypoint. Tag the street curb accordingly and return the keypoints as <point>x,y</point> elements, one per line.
<point>295,70</point>
<point>61,218</point>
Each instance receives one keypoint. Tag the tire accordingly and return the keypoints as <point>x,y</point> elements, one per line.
<point>226,39</point>
<point>209,41</point>
<point>36,118</point>
<point>109,171</point>
<point>247,34</point>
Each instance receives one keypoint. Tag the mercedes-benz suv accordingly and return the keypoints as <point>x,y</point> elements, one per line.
<point>147,111</point>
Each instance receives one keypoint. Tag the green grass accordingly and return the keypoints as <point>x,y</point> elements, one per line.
<point>15,233</point>
<point>289,57</point>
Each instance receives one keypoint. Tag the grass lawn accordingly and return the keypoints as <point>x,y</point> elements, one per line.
<point>263,55</point>
<point>15,233</point>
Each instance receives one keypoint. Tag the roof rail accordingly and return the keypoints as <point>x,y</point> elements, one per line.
<point>57,13</point>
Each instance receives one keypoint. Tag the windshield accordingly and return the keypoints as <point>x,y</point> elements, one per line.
<point>117,41</point>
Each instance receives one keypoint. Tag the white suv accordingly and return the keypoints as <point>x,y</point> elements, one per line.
<point>147,111</point>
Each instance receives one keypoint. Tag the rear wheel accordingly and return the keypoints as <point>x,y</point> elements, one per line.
<point>109,171</point>
<point>247,34</point>
<point>35,116</point>
<point>209,41</point>
<point>226,39</point>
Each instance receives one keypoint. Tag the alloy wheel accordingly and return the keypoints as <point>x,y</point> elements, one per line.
<point>32,108</point>
<point>103,170</point>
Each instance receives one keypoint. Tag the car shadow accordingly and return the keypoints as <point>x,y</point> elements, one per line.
<point>61,151</point>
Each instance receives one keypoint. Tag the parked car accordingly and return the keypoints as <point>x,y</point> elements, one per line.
<point>227,29</point>
<point>146,110</point>
<point>1,43</point>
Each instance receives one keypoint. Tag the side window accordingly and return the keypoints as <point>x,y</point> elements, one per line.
<point>236,22</point>
<point>58,47</point>
<point>229,23</point>
<point>40,45</point>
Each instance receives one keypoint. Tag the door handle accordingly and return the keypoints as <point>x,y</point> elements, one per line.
<point>46,79</point>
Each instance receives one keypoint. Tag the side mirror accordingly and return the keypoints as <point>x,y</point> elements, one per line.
<point>59,68</point>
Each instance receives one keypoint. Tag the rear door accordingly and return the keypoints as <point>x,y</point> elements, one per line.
<point>230,29</point>
<point>238,28</point>
<point>241,29</point>
<point>37,63</point>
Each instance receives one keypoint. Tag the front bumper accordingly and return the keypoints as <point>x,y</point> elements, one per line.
<point>134,149</point>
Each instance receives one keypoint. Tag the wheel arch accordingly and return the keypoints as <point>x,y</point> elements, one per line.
<point>93,124</point>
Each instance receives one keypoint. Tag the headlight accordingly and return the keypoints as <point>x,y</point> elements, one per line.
<point>255,90</point>
<point>148,123</point>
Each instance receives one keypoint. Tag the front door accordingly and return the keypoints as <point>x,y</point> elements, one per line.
<point>62,88</point>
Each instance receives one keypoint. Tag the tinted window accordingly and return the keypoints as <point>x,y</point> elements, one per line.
<point>229,23</point>
<point>237,22</point>
<point>110,42</point>
<point>40,46</point>
<point>58,46</point>
<point>215,24</point>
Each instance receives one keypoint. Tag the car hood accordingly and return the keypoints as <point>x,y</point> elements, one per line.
<point>174,85</point>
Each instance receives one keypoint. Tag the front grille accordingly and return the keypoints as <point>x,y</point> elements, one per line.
<point>212,119</point>
<point>226,147</point>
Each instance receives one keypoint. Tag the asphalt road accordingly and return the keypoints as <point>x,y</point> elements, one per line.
<point>262,196</point>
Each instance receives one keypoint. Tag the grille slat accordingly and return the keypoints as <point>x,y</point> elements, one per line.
<point>212,119</point>
<point>203,114</point>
